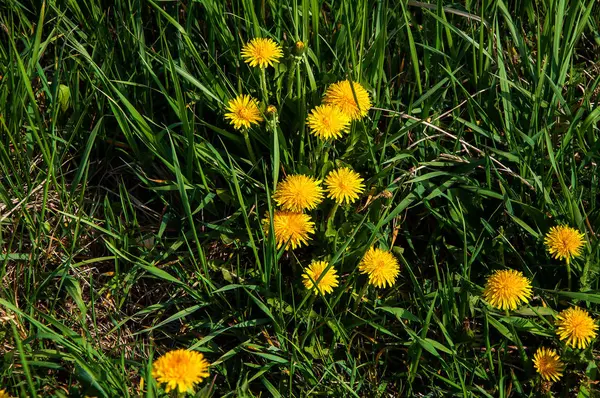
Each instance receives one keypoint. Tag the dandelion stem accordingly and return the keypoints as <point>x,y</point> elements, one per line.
<point>249,146</point>
<point>360,296</point>
<point>325,157</point>
<point>263,85</point>
<point>272,125</point>
<point>319,153</point>
<point>569,282</point>
<point>290,79</point>
<point>332,212</point>
<point>313,297</point>
<point>330,231</point>
<point>516,336</point>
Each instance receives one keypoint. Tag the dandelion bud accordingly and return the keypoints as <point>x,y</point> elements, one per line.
<point>299,48</point>
<point>271,110</point>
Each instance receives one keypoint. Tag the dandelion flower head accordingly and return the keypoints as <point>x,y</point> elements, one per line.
<point>261,52</point>
<point>381,267</point>
<point>328,121</point>
<point>313,272</point>
<point>180,369</point>
<point>576,327</point>
<point>548,364</point>
<point>4,394</point>
<point>298,192</point>
<point>291,229</point>
<point>243,112</point>
<point>506,289</point>
<point>344,185</point>
<point>564,242</point>
<point>342,95</point>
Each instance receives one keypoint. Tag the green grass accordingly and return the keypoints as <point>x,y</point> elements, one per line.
<point>130,211</point>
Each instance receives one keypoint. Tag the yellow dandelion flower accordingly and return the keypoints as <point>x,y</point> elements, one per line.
<point>344,185</point>
<point>4,394</point>
<point>564,242</point>
<point>298,192</point>
<point>381,267</point>
<point>291,228</point>
<point>327,121</point>
<point>506,289</point>
<point>261,52</point>
<point>341,94</point>
<point>548,364</point>
<point>243,111</point>
<point>180,369</point>
<point>312,274</point>
<point>576,327</point>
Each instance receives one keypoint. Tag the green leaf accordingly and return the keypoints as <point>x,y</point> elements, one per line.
<point>64,97</point>
<point>502,329</point>
<point>400,313</point>
<point>583,296</point>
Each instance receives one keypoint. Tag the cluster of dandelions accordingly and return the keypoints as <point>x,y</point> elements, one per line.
<point>181,370</point>
<point>507,289</point>
<point>380,266</point>
<point>292,227</point>
<point>343,102</point>
<point>244,111</point>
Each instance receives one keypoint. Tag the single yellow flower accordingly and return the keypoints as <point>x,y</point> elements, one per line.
<point>327,121</point>
<point>4,394</point>
<point>506,289</point>
<point>344,185</point>
<point>342,94</point>
<point>312,274</point>
<point>180,369</point>
<point>243,111</point>
<point>298,192</point>
<point>291,228</point>
<point>381,267</point>
<point>564,242</point>
<point>576,327</point>
<point>548,364</point>
<point>261,52</point>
